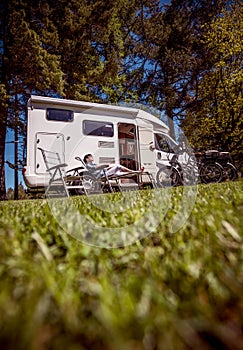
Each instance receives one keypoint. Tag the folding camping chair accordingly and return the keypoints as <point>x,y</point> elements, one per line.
<point>113,182</point>
<point>56,169</point>
<point>62,181</point>
<point>88,183</point>
<point>75,180</point>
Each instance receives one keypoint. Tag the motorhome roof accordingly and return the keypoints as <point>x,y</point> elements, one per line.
<point>139,113</point>
<point>72,103</point>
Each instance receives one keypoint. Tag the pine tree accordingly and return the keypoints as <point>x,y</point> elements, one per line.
<point>94,40</point>
<point>29,63</point>
<point>3,97</point>
<point>175,58</point>
<point>217,123</point>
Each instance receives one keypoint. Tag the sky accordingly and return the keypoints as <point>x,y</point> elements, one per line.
<point>9,155</point>
<point>165,2</point>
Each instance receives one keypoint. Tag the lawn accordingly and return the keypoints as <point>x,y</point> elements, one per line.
<point>165,289</point>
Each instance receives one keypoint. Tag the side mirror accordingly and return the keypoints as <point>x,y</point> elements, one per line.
<point>78,158</point>
<point>177,149</point>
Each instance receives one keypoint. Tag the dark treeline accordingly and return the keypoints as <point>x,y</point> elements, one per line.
<point>184,58</point>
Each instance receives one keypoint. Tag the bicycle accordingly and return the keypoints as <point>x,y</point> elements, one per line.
<point>210,170</point>
<point>198,165</point>
<point>174,174</point>
<point>168,175</point>
<point>229,169</point>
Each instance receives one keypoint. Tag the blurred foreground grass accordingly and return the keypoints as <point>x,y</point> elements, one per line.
<point>166,291</point>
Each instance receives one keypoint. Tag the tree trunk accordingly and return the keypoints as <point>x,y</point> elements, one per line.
<point>16,146</point>
<point>16,161</point>
<point>3,114</point>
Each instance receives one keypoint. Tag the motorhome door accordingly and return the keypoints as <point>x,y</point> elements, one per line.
<point>50,142</point>
<point>146,139</point>
<point>128,145</point>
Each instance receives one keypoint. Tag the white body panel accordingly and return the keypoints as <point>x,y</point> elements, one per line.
<point>68,138</point>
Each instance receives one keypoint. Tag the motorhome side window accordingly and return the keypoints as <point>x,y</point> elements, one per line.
<point>60,115</point>
<point>95,128</point>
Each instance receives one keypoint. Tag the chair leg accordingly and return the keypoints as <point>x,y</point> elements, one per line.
<point>52,180</point>
<point>64,184</point>
<point>109,185</point>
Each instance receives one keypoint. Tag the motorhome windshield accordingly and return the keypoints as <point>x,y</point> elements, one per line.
<point>164,143</point>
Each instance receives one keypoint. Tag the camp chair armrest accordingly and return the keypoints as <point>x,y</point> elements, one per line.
<point>78,169</point>
<point>57,166</point>
<point>69,178</point>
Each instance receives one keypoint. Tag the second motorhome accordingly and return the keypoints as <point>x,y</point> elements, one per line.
<point>113,134</point>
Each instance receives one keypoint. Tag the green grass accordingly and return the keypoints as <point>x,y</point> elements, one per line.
<point>168,290</point>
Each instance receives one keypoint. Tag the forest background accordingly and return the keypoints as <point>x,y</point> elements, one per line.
<point>182,58</point>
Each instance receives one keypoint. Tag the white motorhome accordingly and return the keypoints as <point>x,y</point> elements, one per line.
<point>113,134</point>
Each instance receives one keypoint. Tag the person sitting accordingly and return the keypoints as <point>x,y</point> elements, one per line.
<point>102,170</point>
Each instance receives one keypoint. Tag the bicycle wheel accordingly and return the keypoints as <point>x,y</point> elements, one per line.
<point>88,185</point>
<point>230,172</point>
<point>168,176</point>
<point>211,173</point>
